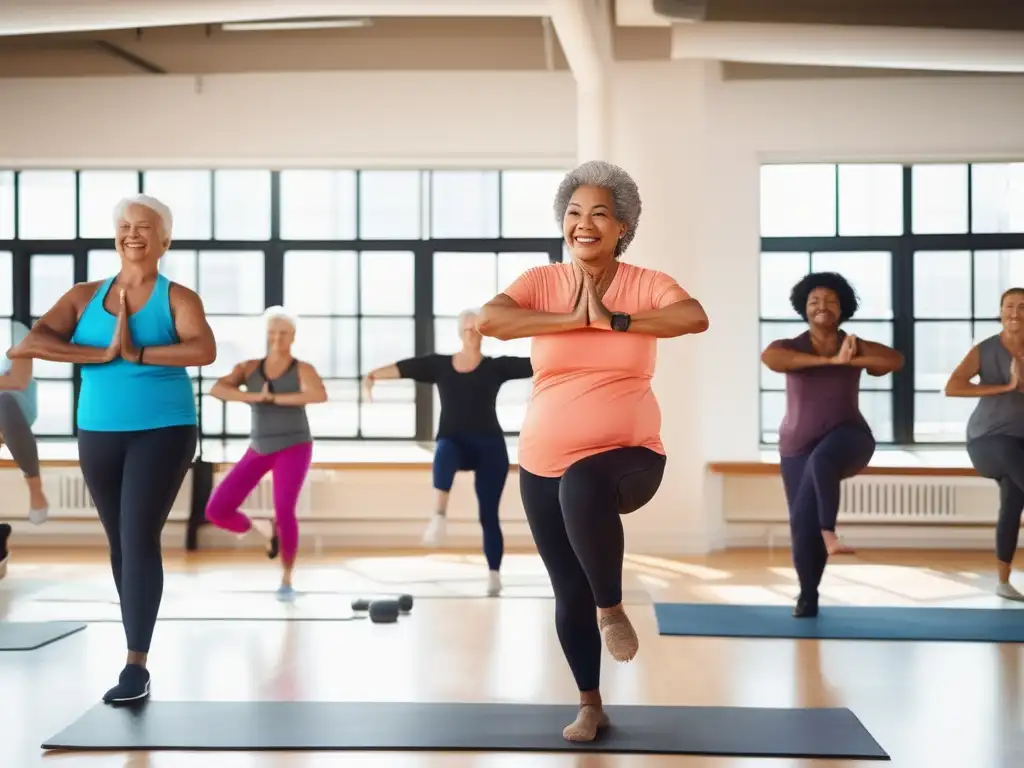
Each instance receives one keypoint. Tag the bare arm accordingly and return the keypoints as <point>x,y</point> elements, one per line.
<point>18,377</point>
<point>229,388</point>
<point>196,344</point>
<point>384,372</point>
<point>877,359</point>
<point>677,319</point>
<point>50,337</point>
<point>311,388</point>
<point>778,358</point>
<point>959,384</point>
<point>502,318</point>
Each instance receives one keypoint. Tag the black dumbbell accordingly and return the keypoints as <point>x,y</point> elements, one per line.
<point>384,611</point>
<point>403,603</point>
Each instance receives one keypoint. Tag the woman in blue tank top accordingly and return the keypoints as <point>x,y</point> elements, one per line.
<point>134,335</point>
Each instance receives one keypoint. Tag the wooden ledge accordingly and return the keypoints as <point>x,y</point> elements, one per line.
<point>892,463</point>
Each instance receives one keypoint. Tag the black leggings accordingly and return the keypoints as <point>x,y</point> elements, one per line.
<point>578,532</point>
<point>1001,458</point>
<point>134,478</point>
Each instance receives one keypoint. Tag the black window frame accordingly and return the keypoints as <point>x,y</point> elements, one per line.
<point>274,250</point>
<point>903,247</point>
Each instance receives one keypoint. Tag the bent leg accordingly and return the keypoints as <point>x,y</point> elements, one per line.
<point>222,509</point>
<point>448,459</point>
<point>575,611</point>
<point>17,433</point>
<point>840,454</point>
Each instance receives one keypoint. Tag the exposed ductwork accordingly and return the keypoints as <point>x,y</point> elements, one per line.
<point>940,50</point>
<point>33,17</point>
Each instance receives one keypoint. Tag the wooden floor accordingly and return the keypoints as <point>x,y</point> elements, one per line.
<point>930,705</point>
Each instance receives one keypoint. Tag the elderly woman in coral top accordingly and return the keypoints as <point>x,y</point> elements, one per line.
<point>590,448</point>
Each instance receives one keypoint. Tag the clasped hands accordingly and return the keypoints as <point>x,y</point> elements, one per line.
<point>121,345</point>
<point>848,350</point>
<point>589,310</point>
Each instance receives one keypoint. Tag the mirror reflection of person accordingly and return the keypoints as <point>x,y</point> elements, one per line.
<point>995,430</point>
<point>469,435</point>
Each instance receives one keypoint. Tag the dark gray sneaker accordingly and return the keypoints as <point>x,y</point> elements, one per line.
<point>132,685</point>
<point>5,533</point>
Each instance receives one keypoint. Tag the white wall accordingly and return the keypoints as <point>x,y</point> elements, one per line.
<point>693,142</point>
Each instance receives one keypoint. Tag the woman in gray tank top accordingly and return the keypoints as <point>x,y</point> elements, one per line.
<point>278,388</point>
<point>995,430</point>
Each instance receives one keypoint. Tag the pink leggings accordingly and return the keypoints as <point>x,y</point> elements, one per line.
<point>289,467</point>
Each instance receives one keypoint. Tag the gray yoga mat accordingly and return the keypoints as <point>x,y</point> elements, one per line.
<point>29,635</point>
<point>302,725</point>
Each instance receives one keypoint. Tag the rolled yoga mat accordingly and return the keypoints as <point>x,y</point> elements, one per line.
<point>304,725</point>
<point>844,622</point>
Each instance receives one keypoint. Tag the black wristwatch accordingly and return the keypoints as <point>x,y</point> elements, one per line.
<point>620,321</point>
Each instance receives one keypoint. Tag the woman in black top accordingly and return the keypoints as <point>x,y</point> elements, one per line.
<point>469,436</point>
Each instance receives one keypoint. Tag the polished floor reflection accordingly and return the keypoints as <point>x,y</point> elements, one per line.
<point>223,637</point>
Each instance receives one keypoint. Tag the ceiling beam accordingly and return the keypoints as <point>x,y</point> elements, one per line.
<point>33,17</point>
<point>941,50</point>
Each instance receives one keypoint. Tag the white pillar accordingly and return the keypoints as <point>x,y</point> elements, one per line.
<point>593,122</point>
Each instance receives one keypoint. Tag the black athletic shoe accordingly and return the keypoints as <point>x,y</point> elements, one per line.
<point>132,685</point>
<point>5,533</point>
<point>806,608</point>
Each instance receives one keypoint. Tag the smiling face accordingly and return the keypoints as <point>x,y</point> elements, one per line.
<point>823,310</point>
<point>140,237</point>
<point>1011,312</point>
<point>280,335</point>
<point>589,225</point>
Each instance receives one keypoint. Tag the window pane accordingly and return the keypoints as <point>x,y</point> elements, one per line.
<point>512,265</point>
<point>779,273</point>
<point>997,197</point>
<point>942,284</point>
<point>870,200</point>
<point>231,282</point>
<point>392,412</point>
<point>389,205</point>
<point>339,416</point>
<point>46,205</point>
<point>238,339</point>
<point>385,341</point>
<point>513,397</point>
<point>242,205</point>
<point>527,199</point>
<point>773,408</point>
<point>6,285</point>
<point>877,410</point>
<point>448,342</point>
<point>982,330</point>
<point>318,205</point>
<point>220,418</point>
<point>938,418</point>
<point>57,416</point>
<point>50,276</point>
<point>102,264</point>
<point>880,333</point>
<point>463,281</point>
<point>938,349</point>
<point>869,273</point>
<point>188,195</point>
<point>994,272</point>
<point>464,204</point>
<point>940,199</point>
<point>329,345</point>
<point>6,205</point>
<point>99,192</point>
<point>181,267</point>
<point>321,282</point>
<point>386,283</point>
<point>798,200</point>
<point>772,332</point>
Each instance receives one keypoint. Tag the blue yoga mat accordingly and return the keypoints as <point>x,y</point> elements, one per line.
<point>846,622</point>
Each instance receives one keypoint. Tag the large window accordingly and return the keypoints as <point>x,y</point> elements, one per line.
<point>929,249</point>
<point>377,263</point>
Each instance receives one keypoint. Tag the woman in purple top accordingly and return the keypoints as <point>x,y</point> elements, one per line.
<point>823,438</point>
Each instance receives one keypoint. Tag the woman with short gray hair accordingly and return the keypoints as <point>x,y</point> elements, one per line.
<point>590,448</point>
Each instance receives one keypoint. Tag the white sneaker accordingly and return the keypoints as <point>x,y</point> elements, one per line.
<point>493,583</point>
<point>1009,592</point>
<point>436,530</point>
<point>38,516</point>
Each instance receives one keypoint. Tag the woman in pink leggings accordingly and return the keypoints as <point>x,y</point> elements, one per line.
<point>278,387</point>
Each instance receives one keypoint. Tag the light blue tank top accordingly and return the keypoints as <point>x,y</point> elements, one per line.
<point>27,397</point>
<point>120,396</point>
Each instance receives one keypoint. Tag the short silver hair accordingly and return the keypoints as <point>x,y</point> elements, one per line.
<point>467,313</point>
<point>626,203</point>
<point>277,312</point>
<point>159,208</point>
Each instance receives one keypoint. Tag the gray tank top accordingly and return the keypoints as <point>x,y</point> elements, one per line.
<point>996,414</point>
<point>276,427</point>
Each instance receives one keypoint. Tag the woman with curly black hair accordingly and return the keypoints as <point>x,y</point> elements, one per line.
<point>823,438</point>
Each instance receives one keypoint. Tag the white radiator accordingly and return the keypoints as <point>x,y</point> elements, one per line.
<point>69,496</point>
<point>903,500</point>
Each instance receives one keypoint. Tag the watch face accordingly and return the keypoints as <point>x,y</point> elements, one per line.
<point>620,322</point>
